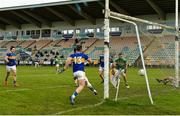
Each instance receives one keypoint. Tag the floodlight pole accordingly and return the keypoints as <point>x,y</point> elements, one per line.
<point>106,50</point>
<point>176,47</point>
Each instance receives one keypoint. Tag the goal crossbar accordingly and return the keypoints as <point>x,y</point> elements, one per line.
<point>140,20</point>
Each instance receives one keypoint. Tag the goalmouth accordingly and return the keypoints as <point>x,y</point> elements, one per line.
<point>132,20</point>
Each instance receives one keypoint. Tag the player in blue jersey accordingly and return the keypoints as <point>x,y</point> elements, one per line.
<point>101,67</point>
<point>10,60</point>
<point>78,59</point>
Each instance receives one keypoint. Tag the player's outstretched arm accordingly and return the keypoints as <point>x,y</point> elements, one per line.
<point>89,60</point>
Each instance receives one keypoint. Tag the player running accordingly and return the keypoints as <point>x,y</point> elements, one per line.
<point>78,59</point>
<point>10,60</point>
<point>57,61</point>
<point>120,67</point>
<point>36,62</point>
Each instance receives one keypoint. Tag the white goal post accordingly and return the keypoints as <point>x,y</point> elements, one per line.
<point>141,54</point>
<point>132,20</point>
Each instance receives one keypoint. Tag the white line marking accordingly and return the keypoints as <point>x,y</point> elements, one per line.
<point>90,106</point>
<point>17,90</point>
<point>80,108</point>
<point>30,89</point>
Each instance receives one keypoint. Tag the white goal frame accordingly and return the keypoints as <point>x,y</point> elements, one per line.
<point>109,14</point>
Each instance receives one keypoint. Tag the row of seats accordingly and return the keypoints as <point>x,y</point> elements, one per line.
<point>161,51</point>
<point>154,48</point>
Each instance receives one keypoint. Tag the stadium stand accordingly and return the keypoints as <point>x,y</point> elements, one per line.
<point>27,43</point>
<point>161,51</point>
<point>155,54</point>
<point>45,32</point>
<point>40,44</point>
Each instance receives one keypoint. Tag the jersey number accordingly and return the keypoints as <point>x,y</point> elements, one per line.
<point>78,60</point>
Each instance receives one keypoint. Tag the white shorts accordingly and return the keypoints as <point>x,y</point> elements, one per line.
<point>80,75</point>
<point>117,73</point>
<point>101,69</point>
<point>122,71</point>
<point>9,68</point>
<point>36,63</point>
<point>57,65</point>
<point>115,81</point>
<point>111,65</point>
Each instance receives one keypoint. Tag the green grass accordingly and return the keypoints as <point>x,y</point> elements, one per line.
<point>42,91</point>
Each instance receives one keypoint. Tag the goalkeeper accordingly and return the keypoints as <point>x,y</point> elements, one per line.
<point>119,68</point>
<point>167,80</point>
<point>78,59</point>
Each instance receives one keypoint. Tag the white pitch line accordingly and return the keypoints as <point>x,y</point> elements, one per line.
<point>90,106</point>
<point>28,89</point>
<point>80,108</point>
<point>17,90</point>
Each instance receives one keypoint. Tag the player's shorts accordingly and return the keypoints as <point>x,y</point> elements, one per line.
<point>9,68</point>
<point>57,65</point>
<point>115,73</point>
<point>101,69</point>
<point>36,63</point>
<point>111,65</point>
<point>115,81</point>
<point>122,71</point>
<point>115,77</point>
<point>86,79</point>
<point>80,75</point>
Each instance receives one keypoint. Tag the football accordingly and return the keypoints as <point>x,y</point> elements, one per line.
<point>141,72</point>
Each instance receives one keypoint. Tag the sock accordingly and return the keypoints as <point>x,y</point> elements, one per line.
<point>165,81</point>
<point>101,77</point>
<point>74,94</point>
<point>126,84</point>
<point>6,79</point>
<point>14,82</point>
<point>91,88</point>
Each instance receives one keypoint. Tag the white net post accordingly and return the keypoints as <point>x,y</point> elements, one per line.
<point>106,50</point>
<point>177,47</point>
<point>163,26</point>
<point>142,59</point>
<point>141,54</point>
<point>117,90</point>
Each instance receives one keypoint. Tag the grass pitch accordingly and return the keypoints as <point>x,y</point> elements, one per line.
<point>42,91</point>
